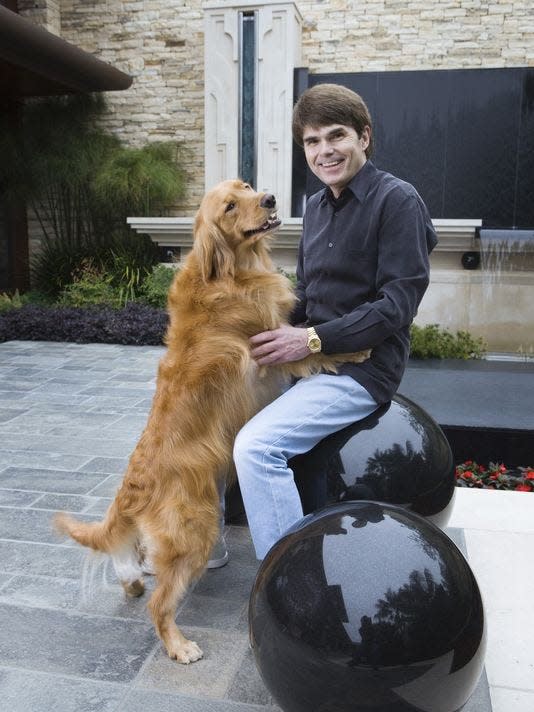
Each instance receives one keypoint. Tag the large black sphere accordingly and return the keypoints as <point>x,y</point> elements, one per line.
<point>398,454</point>
<point>367,607</point>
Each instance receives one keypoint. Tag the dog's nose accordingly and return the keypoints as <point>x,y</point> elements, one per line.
<point>268,201</point>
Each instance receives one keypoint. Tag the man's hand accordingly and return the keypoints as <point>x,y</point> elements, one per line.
<point>282,345</point>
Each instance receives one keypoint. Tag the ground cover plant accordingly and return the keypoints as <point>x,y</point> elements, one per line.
<point>80,183</point>
<point>495,476</point>
<point>432,341</point>
<point>134,324</point>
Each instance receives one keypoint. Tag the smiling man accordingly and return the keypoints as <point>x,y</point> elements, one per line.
<point>362,271</point>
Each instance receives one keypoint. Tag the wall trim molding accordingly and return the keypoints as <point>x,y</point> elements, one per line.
<point>177,232</point>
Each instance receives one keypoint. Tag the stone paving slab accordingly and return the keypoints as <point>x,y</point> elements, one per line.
<point>29,691</point>
<point>70,641</point>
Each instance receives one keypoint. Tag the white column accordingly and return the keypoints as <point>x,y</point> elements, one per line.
<point>279,30</point>
<point>278,53</point>
<point>221,94</point>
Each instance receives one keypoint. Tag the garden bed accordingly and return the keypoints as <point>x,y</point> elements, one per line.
<point>495,476</point>
<point>135,324</point>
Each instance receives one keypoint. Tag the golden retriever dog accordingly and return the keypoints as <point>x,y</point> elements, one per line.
<point>208,386</point>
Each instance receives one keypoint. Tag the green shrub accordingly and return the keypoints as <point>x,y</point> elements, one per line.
<point>90,287</point>
<point>16,300</point>
<point>54,264</point>
<point>431,341</point>
<point>140,181</point>
<point>127,253</point>
<point>10,301</point>
<point>156,286</point>
<point>33,296</point>
<point>82,184</point>
<point>126,258</point>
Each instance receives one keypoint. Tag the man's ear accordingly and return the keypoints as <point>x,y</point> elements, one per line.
<point>365,138</point>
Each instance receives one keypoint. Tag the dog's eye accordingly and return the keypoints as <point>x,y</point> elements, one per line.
<point>229,207</point>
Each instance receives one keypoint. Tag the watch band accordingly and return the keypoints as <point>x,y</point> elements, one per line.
<point>314,342</point>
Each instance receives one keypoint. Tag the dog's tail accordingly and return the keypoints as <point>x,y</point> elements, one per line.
<point>107,535</point>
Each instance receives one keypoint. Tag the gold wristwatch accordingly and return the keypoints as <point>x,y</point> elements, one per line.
<point>314,342</point>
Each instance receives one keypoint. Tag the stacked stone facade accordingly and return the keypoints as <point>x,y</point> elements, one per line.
<point>161,44</point>
<point>387,35</point>
<point>45,13</point>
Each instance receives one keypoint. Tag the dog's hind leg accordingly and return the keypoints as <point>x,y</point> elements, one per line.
<point>116,535</point>
<point>173,578</point>
<point>128,570</point>
<point>145,555</point>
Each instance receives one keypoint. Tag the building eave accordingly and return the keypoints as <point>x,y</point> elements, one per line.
<point>34,62</point>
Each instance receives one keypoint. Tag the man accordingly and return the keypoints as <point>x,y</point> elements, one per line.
<point>362,271</point>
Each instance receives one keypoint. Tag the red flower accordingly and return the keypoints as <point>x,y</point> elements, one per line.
<point>468,462</point>
<point>523,488</point>
<point>529,475</point>
<point>502,468</point>
<point>495,476</point>
<point>468,474</point>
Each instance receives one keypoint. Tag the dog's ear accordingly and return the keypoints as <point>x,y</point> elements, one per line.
<point>215,256</point>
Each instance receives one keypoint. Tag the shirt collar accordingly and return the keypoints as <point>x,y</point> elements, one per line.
<point>358,186</point>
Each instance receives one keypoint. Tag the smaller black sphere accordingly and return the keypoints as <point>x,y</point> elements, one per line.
<point>398,454</point>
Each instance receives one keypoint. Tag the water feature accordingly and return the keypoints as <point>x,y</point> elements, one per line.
<point>507,268</point>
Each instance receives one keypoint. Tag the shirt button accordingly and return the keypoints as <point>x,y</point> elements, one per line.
<point>330,244</point>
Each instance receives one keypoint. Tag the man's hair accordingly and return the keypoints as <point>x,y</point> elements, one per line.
<point>326,104</point>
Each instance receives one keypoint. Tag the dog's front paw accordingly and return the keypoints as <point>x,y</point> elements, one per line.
<point>186,653</point>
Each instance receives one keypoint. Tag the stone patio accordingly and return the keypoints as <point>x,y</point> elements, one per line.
<point>69,417</point>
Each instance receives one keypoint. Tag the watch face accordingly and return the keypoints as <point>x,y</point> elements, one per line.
<point>314,344</point>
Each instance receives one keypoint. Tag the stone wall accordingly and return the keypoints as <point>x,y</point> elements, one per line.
<point>45,13</point>
<point>383,35</point>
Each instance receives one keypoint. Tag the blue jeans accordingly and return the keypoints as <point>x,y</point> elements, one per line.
<point>291,425</point>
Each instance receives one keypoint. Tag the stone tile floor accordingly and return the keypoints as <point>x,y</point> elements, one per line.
<point>69,641</point>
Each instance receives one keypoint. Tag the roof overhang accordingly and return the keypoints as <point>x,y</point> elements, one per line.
<point>34,62</point>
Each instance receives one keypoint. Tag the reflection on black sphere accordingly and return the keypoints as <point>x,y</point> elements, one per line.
<point>367,607</point>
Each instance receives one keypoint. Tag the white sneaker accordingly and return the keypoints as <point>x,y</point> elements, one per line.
<point>219,554</point>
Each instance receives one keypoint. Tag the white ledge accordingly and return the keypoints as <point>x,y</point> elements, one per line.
<point>453,235</point>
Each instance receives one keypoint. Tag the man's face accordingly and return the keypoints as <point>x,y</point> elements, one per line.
<point>335,153</point>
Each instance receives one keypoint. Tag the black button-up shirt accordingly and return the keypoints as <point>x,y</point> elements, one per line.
<point>362,271</point>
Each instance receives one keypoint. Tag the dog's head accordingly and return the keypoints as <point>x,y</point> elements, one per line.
<point>231,224</point>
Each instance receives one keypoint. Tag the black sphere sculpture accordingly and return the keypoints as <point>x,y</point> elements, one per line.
<point>398,454</point>
<point>367,607</point>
